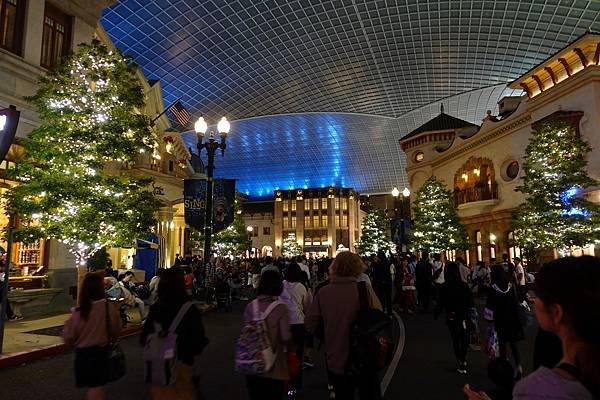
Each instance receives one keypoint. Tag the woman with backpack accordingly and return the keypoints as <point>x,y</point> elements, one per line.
<point>266,315</point>
<point>172,313</point>
<point>456,299</point>
<point>297,299</point>
<point>87,329</point>
<point>332,315</point>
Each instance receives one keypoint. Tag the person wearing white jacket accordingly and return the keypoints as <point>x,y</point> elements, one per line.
<point>297,299</point>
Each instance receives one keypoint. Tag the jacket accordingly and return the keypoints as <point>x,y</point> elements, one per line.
<point>337,305</point>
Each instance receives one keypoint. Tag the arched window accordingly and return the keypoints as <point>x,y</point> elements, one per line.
<point>475,181</point>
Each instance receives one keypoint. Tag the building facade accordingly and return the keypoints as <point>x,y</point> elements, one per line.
<point>322,219</point>
<point>34,36</point>
<point>482,165</point>
<point>259,215</point>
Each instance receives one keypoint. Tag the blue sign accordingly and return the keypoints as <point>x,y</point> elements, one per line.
<point>224,198</point>
<point>194,201</point>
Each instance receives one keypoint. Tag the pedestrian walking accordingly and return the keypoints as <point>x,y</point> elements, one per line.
<point>87,330</point>
<point>382,281</point>
<point>333,312</point>
<point>173,307</point>
<point>297,299</point>
<point>503,302</point>
<point>565,310</point>
<point>456,299</point>
<point>268,384</point>
<point>423,278</point>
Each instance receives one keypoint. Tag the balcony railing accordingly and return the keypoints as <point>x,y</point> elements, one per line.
<point>476,193</point>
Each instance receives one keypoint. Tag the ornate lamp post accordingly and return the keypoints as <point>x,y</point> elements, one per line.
<point>405,195</point>
<point>211,146</point>
<point>250,230</point>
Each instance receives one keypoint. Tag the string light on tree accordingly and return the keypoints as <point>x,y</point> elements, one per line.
<point>88,110</point>
<point>556,213</point>
<point>375,234</point>
<point>290,246</point>
<point>436,226</point>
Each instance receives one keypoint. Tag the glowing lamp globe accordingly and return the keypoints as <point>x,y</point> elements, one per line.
<point>201,126</point>
<point>223,126</point>
<point>395,192</point>
<point>406,192</point>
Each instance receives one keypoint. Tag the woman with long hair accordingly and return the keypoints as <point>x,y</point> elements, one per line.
<point>269,385</point>
<point>87,331</point>
<point>504,303</point>
<point>456,299</point>
<point>191,340</point>
<point>566,304</point>
<point>297,299</point>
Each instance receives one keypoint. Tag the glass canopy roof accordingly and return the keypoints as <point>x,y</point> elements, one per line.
<point>385,58</point>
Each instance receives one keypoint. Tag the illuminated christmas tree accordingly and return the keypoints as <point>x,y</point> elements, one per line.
<point>89,107</point>
<point>555,213</point>
<point>436,226</point>
<point>290,246</point>
<point>375,234</point>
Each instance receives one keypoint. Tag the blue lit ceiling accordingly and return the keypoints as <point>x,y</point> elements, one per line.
<point>250,58</point>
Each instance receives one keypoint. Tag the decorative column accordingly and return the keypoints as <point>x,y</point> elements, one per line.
<point>165,229</point>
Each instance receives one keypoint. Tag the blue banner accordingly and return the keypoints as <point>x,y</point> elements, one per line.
<point>223,200</point>
<point>194,201</point>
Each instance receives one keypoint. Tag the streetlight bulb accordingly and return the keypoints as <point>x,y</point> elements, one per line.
<point>406,192</point>
<point>223,126</point>
<point>395,192</point>
<point>200,126</point>
<point>249,229</point>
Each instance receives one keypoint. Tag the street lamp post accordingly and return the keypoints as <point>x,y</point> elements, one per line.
<point>405,195</point>
<point>250,230</point>
<point>211,146</point>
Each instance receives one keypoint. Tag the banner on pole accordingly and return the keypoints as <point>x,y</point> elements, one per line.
<point>194,201</point>
<point>223,200</point>
<point>9,119</point>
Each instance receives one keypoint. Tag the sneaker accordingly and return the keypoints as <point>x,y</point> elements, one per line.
<point>462,368</point>
<point>16,318</point>
<point>291,393</point>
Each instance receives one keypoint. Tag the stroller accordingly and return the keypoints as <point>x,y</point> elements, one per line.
<point>223,295</point>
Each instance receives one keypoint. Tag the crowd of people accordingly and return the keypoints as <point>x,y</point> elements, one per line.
<point>297,302</point>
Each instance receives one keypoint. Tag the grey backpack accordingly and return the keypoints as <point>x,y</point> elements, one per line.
<point>160,352</point>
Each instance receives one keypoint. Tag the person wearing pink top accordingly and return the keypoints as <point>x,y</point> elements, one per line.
<point>86,331</point>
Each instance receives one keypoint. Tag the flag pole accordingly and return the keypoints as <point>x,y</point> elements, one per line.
<point>164,111</point>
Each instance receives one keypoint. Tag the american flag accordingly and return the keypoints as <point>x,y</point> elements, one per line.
<point>182,115</point>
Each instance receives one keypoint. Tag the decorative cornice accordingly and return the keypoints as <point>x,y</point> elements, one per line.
<point>517,123</point>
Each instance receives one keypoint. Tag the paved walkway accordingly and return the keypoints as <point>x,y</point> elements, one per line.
<point>426,369</point>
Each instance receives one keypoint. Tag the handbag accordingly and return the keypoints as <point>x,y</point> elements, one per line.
<point>116,364</point>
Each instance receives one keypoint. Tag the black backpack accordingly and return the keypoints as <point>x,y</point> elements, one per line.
<point>371,338</point>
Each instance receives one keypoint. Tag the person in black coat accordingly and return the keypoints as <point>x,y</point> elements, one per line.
<point>503,301</point>
<point>382,281</point>
<point>423,278</point>
<point>456,299</point>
